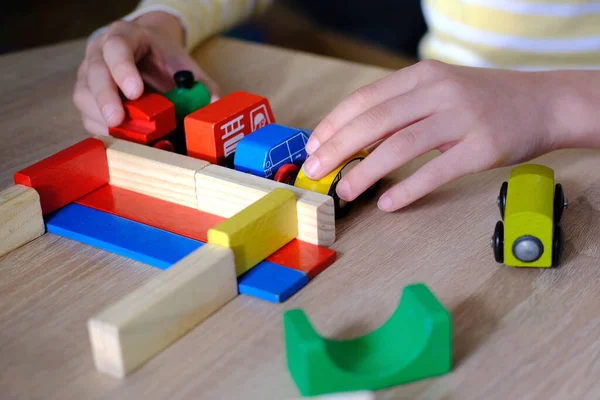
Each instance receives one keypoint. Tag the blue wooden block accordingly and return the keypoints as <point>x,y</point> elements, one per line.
<point>130,239</point>
<point>271,282</point>
<point>263,151</point>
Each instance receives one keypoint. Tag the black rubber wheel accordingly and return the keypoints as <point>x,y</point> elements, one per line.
<point>558,245</point>
<point>228,162</point>
<point>341,207</point>
<point>498,242</point>
<point>501,201</point>
<point>559,203</point>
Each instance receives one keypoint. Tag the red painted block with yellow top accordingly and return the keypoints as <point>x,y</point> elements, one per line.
<point>148,119</point>
<point>213,132</point>
<point>67,175</point>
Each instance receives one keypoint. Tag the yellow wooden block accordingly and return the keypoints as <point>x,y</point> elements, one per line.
<point>259,230</point>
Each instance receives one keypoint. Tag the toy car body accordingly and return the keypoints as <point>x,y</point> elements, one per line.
<point>328,184</point>
<point>531,207</point>
<point>264,151</point>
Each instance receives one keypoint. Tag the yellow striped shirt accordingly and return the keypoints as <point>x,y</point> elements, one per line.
<point>515,34</point>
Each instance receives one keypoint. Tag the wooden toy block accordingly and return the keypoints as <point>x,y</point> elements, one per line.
<point>271,282</point>
<point>148,118</point>
<point>153,172</point>
<point>21,219</point>
<point>413,344</point>
<point>258,230</point>
<point>136,328</point>
<point>67,175</point>
<point>194,224</point>
<point>120,236</point>
<point>213,132</point>
<point>147,210</point>
<point>225,192</point>
<point>305,257</point>
<point>263,152</point>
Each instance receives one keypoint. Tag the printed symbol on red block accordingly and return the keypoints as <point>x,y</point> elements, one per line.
<point>232,133</point>
<point>259,117</point>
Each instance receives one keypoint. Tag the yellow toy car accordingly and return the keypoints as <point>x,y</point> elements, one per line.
<point>531,207</point>
<point>328,184</point>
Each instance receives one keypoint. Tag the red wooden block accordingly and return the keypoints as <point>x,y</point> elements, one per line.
<point>67,175</point>
<point>303,256</point>
<point>148,118</point>
<point>213,132</point>
<point>147,210</point>
<point>194,224</point>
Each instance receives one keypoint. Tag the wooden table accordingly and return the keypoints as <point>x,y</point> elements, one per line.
<point>517,333</point>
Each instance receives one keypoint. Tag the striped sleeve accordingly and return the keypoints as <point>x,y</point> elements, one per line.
<point>203,18</point>
<point>514,34</point>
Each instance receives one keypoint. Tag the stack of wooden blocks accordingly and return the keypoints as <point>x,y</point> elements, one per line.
<point>215,231</point>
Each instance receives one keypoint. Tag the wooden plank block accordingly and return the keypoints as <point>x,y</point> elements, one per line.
<point>258,230</point>
<point>225,192</point>
<point>271,282</point>
<point>134,329</point>
<point>155,247</point>
<point>21,218</point>
<point>153,172</point>
<point>67,175</point>
<point>194,224</point>
<point>305,257</point>
<point>147,210</point>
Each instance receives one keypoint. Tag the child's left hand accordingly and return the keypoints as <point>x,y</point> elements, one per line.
<point>477,118</point>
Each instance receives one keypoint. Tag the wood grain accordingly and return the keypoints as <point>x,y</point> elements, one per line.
<point>517,333</point>
<point>21,219</point>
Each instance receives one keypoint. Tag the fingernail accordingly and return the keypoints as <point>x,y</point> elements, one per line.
<point>214,98</point>
<point>131,87</point>
<point>384,203</point>
<point>311,166</point>
<point>343,190</point>
<point>312,145</point>
<point>109,112</point>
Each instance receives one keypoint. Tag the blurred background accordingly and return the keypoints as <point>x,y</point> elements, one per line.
<point>377,32</point>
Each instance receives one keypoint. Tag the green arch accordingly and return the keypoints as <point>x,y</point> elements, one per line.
<point>414,343</point>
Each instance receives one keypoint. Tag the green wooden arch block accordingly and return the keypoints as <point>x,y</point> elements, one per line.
<point>415,343</point>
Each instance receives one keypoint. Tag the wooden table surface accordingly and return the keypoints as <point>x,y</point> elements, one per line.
<point>517,333</point>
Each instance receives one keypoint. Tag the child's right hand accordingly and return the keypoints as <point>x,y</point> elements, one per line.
<point>150,49</point>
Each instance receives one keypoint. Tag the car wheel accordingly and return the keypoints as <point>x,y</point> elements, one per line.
<point>560,203</point>
<point>342,207</point>
<point>164,145</point>
<point>558,245</point>
<point>497,242</point>
<point>501,200</point>
<point>287,174</point>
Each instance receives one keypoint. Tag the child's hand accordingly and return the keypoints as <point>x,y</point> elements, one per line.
<point>151,48</point>
<point>477,118</point>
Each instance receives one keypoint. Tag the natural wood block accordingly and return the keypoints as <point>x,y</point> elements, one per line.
<point>21,218</point>
<point>258,230</point>
<point>225,192</point>
<point>153,172</point>
<point>134,329</point>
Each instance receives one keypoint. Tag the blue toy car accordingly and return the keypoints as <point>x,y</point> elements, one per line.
<point>265,150</point>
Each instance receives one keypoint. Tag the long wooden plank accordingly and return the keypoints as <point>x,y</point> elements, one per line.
<point>154,172</point>
<point>225,192</point>
<point>21,219</point>
<point>134,329</point>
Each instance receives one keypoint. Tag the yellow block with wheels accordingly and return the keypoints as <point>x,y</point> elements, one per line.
<point>529,218</point>
<point>259,230</point>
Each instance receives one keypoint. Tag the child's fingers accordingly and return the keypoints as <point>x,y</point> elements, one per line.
<point>84,101</point>
<point>94,127</point>
<point>364,98</point>
<point>367,128</point>
<point>401,147</point>
<point>104,89</point>
<point>118,51</point>
<point>453,164</point>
